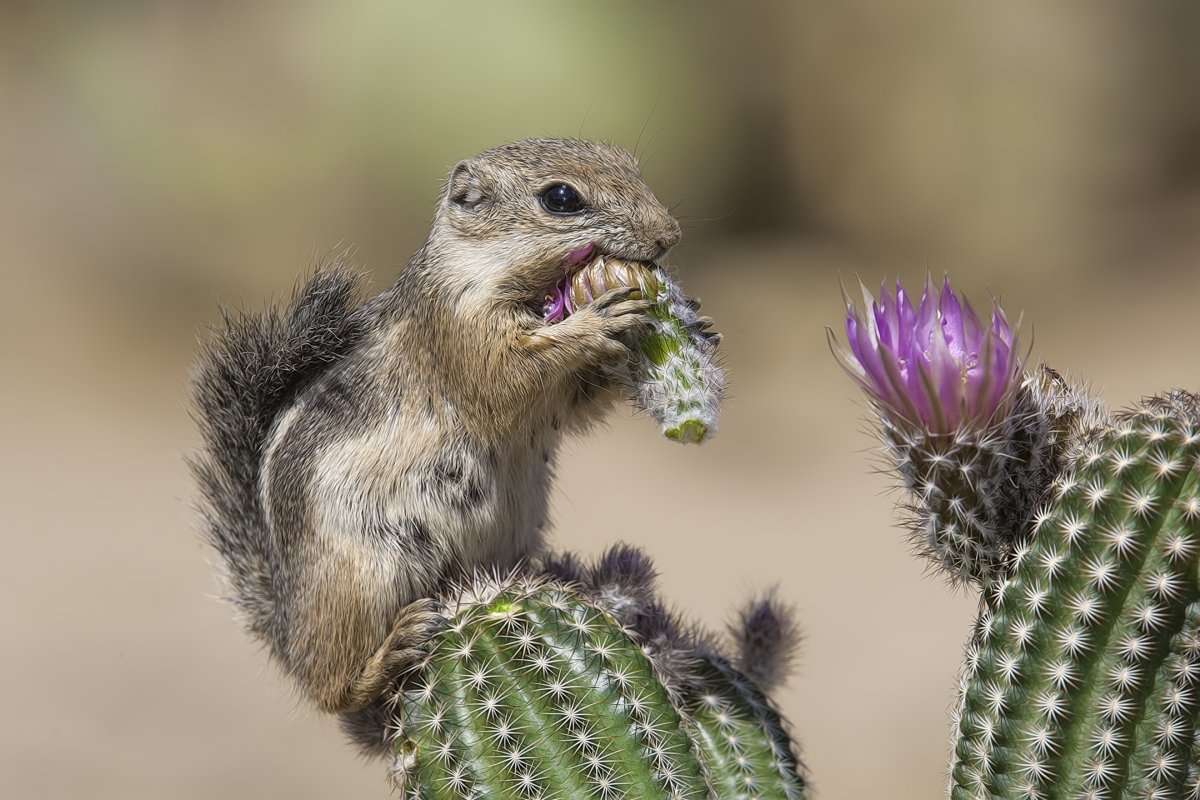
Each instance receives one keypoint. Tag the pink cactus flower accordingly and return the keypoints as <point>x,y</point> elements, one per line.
<point>938,367</point>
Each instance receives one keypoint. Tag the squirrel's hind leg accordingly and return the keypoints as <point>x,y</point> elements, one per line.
<point>400,652</point>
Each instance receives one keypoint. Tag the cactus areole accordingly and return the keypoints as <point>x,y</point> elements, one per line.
<point>673,375</point>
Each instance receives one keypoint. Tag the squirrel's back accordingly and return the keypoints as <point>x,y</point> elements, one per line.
<point>244,377</point>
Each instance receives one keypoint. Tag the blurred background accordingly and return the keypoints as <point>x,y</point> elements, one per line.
<point>158,157</point>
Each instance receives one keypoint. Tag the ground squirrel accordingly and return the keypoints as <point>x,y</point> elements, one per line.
<point>357,456</point>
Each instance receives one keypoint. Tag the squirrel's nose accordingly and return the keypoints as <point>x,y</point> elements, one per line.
<point>668,235</point>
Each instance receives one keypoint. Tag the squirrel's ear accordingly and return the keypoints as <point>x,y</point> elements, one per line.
<point>466,188</point>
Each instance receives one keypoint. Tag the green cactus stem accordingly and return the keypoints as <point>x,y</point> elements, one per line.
<point>675,378</point>
<point>1080,676</point>
<point>1082,531</point>
<point>532,690</point>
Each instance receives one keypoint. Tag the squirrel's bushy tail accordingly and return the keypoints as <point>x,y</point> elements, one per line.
<point>244,376</point>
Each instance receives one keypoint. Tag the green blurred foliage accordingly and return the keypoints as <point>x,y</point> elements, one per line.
<point>237,127</point>
<point>1005,133</point>
<point>218,119</point>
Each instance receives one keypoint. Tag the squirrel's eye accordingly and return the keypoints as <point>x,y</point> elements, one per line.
<point>562,199</point>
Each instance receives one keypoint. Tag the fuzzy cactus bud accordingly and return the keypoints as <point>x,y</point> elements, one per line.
<point>674,376</point>
<point>974,442</point>
<point>1082,676</point>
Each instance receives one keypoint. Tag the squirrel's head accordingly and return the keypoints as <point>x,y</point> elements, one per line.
<point>512,215</point>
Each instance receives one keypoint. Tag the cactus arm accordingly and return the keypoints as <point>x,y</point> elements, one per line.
<point>1061,670</point>
<point>675,377</point>
<point>672,373</point>
<point>741,738</point>
<point>1165,748</point>
<point>1133,596</point>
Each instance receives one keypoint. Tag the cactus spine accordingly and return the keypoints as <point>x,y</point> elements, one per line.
<point>1079,677</point>
<point>531,690</point>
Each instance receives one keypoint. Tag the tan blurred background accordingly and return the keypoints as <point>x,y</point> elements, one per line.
<point>156,157</point>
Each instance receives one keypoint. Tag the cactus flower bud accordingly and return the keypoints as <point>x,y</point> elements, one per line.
<point>969,443</point>
<point>939,366</point>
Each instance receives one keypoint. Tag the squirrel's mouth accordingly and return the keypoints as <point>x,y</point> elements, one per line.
<point>556,298</point>
<point>587,274</point>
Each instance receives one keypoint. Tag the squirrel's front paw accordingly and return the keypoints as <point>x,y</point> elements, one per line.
<point>606,324</point>
<point>604,330</point>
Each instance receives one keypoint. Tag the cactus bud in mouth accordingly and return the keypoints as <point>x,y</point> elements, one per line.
<point>673,375</point>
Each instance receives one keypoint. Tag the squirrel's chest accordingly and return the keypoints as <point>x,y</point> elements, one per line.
<point>426,483</point>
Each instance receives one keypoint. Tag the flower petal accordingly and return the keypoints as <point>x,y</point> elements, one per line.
<point>950,317</point>
<point>579,255</point>
<point>938,365</point>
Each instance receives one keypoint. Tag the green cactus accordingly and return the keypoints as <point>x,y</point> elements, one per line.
<point>676,378</point>
<point>1080,674</point>
<point>533,690</point>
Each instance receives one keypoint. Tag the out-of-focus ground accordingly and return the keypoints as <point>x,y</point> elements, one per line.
<point>157,156</point>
